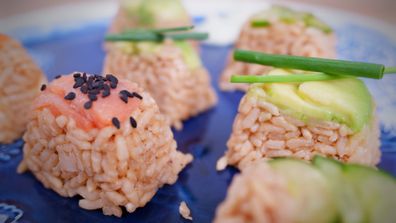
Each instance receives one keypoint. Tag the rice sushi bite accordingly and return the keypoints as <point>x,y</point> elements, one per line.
<point>101,138</point>
<point>335,118</point>
<point>149,14</point>
<point>279,30</point>
<point>170,70</point>
<point>20,82</point>
<point>293,191</point>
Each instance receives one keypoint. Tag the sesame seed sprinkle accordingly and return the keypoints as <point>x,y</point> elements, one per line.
<point>137,95</point>
<point>88,105</point>
<point>133,122</point>
<point>43,87</point>
<point>70,96</point>
<point>116,122</point>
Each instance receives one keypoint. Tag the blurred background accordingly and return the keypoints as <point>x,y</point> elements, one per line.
<point>380,9</point>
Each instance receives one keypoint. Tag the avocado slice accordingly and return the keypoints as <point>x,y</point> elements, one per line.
<point>289,16</point>
<point>377,192</point>
<point>189,54</point>
<point>346,101</point>
<point>149,12</point>
<point>309,188</point>
<point>349,207</point>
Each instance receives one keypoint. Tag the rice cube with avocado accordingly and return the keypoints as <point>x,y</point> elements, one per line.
<point>335,118</point>
<point>101,138</point>
<point>20,82</point>
<point>170,70</point>
<point>289,190</point>
<point>150,13</point>
<point>279,30</point>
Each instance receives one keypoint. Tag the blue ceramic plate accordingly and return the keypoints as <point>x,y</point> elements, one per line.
<point>64,48</point>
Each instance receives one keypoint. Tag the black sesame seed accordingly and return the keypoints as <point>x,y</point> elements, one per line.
<point>84,76</point>
<point>94,91</point>
<point>133,122</point>
<point>116,122</point>
<point>84,89</point>
<point>88,105</point>
<point>130,94</point>
<point>113,85</point>
<point>78,82</point>
<point>77,75</point>
<point>43,87</point>
<point>92,97</point>
<point>70,96</point>
<point>106,90</point>
<point>124,92</point>
<point>137,95</point>
<point>124,97</point>
<point>58,76</point>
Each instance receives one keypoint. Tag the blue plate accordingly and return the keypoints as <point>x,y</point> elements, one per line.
<point>24,199</point>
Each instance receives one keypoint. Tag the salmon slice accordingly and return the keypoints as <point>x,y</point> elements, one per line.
<point>103,110</point>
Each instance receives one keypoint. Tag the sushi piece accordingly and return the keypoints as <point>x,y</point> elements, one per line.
<point>335,118</point>
<point>170,70</point>
<point>149,14</point>
<point>288,190</point>
<point>279,30</point>
<point>102,138</point>
<point>20,82</point>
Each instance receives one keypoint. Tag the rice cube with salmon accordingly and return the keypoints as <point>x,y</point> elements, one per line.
<point>101,138</point>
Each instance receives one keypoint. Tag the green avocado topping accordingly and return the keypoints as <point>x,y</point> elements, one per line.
<point>289,16</point>
<point>345,101</point>
<point>189,54</point>
<point>150,12</point>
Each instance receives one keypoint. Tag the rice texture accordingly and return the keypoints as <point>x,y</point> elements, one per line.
<point>278,38</point>
<point>258,195</point>
<point>108,167</point>
<point>180,91</point>
<point>20,81</point>
<point>261,131</point>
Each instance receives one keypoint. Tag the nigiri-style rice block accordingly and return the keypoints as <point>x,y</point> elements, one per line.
<point>293,191</point>
<point>20,81</point>
<point>279,30</point>
<point>103,139</point>
<point>334,118</point>
<point>171,71</point>
<point>150,14</point>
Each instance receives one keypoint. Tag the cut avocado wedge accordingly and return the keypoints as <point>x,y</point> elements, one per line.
<point>289,16</point>
<point>345,101</point>
<point>189,54</point>
<point>330,191</point>
<point>150,12</point>
<point>376,190</point>
<point>309,188</point>
<point>349,207</point>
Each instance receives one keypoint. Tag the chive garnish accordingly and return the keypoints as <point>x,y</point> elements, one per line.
<point>160,30</point>
<point>187,35</point>
<point>134,36</point>
<point>328,66</point>
<point>175,29</point>
<point>260,23</point>
<point>295,78</point>
<point>157,35</point>
<point>390,70</point>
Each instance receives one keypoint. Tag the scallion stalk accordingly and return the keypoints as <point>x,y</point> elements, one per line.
<point>294,78</point>
<point>328,66</point>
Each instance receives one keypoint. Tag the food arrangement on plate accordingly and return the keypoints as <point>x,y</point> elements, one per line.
<point>305,137</point>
